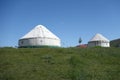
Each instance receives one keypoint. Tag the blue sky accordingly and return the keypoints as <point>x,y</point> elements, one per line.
<point>68,19</point>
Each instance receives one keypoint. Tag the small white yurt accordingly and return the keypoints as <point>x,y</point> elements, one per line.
<point>99,40</point>
<point>39,36</point>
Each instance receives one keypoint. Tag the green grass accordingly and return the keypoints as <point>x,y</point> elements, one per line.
<point>60,64</point>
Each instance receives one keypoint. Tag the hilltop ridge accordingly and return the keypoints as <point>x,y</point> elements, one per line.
<point>60,64</point>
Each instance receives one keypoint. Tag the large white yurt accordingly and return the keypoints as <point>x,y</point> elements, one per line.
<point>99,40</point>
<point>39,36</point>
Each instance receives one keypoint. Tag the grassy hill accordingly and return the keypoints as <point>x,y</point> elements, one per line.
<point>60,64</point>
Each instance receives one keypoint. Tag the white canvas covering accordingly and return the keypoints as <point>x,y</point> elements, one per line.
<point>39,36</point>
<point>99,40</point>
<point>99,37</point>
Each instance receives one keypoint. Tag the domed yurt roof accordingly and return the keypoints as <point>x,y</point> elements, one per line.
<point>99,37</point>
<point>40,31</point>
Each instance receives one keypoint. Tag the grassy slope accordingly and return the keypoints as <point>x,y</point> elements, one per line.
<point>60,64</point>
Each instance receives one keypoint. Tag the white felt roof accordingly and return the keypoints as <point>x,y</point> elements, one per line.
<point>99,37</point>
<point>40,31</point>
